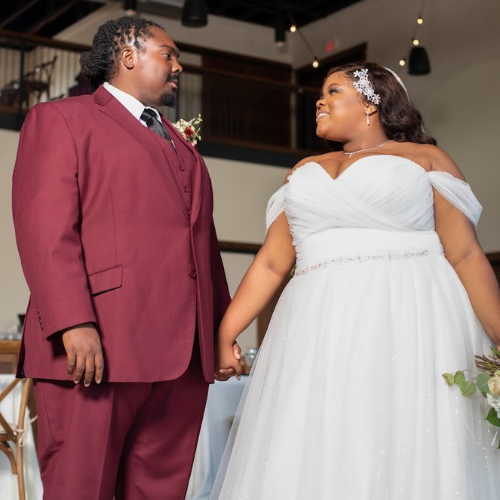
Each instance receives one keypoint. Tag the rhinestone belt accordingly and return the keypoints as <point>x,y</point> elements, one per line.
<point>360,258</point>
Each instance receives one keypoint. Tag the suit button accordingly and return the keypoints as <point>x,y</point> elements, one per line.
<point>181,168</point>
<point>186,189</point>
<point>192,274</point>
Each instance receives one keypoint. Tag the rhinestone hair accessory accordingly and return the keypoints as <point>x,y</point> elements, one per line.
<point>364,86</point>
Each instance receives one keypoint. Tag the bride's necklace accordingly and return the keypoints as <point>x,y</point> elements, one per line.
<point>350,153</point>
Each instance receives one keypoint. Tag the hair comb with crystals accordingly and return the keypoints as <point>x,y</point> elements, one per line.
<point>364,86</point>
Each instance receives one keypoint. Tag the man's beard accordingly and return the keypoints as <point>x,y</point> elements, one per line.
<point>168,99</point>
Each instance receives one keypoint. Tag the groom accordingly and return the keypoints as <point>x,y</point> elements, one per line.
<point>113,218</point>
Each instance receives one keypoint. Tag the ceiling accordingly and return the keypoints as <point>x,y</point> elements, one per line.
<point>267,13</point>
<point>43,17</point>
<point>49,17</point>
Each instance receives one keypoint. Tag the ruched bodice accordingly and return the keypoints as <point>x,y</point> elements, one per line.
<point>379,192</point>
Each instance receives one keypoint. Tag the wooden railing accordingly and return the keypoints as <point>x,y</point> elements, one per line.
<point>240,109</point>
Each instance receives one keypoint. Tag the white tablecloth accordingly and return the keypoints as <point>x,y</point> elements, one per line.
<point>223,399</point>
<point>8,481</point>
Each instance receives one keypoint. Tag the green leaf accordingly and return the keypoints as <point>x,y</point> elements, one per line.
<point>467,387</point>
<point>496,352</point>
<point>449,378</point>
<point>482,382</point>
<point>459,377</point>
<point>492,418</point>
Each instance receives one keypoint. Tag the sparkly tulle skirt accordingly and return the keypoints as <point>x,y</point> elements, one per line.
<point>346,400</point>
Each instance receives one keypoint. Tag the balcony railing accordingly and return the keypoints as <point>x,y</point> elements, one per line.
<point>237,109</point>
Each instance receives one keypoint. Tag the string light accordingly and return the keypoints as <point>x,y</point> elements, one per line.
<point>294,29</point>
<point>418,61</point>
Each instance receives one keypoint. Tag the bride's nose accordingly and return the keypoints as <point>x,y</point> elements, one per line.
<point>320,103</point>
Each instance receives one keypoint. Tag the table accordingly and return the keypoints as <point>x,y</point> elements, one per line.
<point>223,400</point>
<point>8,481</point>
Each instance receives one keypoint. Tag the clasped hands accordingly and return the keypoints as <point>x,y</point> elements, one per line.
<point>86,361</point>
<point>227,361</point>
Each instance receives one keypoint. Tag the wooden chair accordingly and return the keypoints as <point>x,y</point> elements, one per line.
<point>12,435</point>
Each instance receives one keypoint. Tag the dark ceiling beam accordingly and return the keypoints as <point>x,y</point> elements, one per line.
<point>51,17</point>
<point>159,9</point>
<point>17,13</point>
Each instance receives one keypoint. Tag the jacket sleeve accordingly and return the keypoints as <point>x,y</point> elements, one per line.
<point>46,210</point>
<point>219,283</point>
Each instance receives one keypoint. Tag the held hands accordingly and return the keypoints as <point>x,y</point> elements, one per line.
<point>227,361</point>
<point>84,351</point>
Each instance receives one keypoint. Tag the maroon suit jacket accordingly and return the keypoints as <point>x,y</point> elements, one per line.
<point>105,236</point>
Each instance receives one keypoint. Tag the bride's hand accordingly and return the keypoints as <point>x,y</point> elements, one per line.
<point>227,362</point>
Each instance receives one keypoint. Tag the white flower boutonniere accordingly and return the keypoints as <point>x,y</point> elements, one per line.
<point>188,129</point>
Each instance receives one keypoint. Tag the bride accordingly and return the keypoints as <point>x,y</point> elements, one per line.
<point>391,289</point>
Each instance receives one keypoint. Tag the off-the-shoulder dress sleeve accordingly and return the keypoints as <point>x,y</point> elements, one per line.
<point>275,206</point>
<point>458,193</point>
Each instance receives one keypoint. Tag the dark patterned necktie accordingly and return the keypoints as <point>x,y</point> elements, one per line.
<point>151,119</point>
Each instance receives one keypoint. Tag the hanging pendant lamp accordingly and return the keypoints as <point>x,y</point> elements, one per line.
<point>418,62</point>
<point>194,13</point>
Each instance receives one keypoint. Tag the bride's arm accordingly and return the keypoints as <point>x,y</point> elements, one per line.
<point>464,253</point>
<point>267,272</point>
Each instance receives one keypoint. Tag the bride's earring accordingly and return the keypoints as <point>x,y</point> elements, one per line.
<point>368,118</point>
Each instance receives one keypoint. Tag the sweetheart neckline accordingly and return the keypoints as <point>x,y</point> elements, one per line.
<point>361,159</point>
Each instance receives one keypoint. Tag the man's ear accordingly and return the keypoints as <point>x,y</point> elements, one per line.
<point>127,57</point>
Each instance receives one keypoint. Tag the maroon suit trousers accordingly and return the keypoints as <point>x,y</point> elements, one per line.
<point>134,440</point>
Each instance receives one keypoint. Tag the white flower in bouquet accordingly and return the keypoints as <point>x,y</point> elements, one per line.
<point>494,402</point>
<point>494,384</point>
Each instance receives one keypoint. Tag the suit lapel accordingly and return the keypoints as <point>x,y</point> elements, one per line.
<point>150,141</point>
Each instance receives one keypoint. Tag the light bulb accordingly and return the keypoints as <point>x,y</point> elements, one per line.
<point>420,20</point>
<point>293,28</point>
<point>402,62</point>
<point>416,42</point>
<point>315,63</point>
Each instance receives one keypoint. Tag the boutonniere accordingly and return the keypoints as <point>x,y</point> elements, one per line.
<point>188,129</point>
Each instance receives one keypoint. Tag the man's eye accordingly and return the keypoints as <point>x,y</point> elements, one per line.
<point>168,56</point>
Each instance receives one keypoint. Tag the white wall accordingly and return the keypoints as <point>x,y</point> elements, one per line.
<point>458,99</point>
<point>13,289</point>
<point>241,193</point>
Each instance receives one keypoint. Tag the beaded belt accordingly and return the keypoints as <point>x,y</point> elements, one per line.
<point>360,258</point>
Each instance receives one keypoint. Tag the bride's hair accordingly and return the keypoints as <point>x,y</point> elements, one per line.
<point>400,119</point>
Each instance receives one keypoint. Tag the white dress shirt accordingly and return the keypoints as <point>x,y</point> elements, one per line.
<point>134,106</point>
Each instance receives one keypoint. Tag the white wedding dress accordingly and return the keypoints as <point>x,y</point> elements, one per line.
<point>346,400</point>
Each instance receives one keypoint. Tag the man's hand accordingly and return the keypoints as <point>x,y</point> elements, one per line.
<point>232,365</point>
<point>84,351</point>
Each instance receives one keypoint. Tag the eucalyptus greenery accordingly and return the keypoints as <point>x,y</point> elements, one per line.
<point>487,383</point>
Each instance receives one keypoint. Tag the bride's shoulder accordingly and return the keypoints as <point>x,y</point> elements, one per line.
<point>440,161</point>
<point>309,159</point>
<point>430,157</point>
<point>302,162</point>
